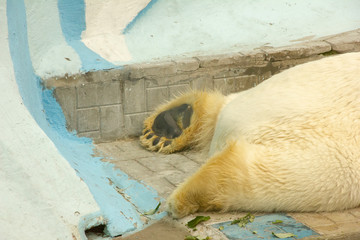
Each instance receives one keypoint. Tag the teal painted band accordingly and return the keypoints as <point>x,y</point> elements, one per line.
<point>121,215</point>
<point>138,16</point>
<point>72,19</point>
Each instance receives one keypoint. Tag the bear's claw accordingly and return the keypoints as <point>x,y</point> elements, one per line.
<point>161,129</point>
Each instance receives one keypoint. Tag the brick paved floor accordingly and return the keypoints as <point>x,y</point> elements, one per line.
<point>165,172</point>
<point>162,172</point>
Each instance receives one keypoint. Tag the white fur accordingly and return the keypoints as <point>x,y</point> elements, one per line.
<point>301,132</point>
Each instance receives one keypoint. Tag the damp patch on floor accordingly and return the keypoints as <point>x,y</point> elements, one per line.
<point>266,227</point>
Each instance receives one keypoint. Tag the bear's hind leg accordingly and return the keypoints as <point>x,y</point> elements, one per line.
<point>174,125</point>
<point>217,185</point>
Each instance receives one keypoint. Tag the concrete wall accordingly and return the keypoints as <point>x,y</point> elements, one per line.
<point>112,104</point>
<point>77,36</point>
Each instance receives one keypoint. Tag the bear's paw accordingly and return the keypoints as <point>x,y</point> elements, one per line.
<point>167,130</point>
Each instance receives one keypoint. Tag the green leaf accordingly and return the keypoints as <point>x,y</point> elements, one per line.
<point>254,232</point>
<point>244,220</point>
<point>196,238</point>
<point>193,223</point>
<point>277,222</point>
<point>191,238</point>
<point>283,235</point>
<point>221,228</point>
<point>153,211</point>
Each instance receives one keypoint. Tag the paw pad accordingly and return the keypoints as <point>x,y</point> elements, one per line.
<point>161,129</point>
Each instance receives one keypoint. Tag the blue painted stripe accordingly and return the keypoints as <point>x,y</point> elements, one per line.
<point>72,20</point>
<point>102,179</point>
<point>138,16</point>
<point>263,227</point>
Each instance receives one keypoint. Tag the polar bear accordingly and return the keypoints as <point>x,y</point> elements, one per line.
<point>292,143</point>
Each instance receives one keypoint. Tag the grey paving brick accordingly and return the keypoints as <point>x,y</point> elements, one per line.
<point>235,84</point>
<point>95,135</point>
<point>216,60</point>
<point>134,96</point>
<point>157,163</point>
<point>66,96</point>
<point>202,83</point>
<point>124,150</point>
<point>184,164</point>
<point>108,75</point>
<point>138,71</point>
<point>109,93</point>
<point>284,64</point>
<point>263,76</point>
<point>222,85</point>
<point>134,169</point>
<point>228,71</point>
<point>197,156</point>
<point>88,119</point>
<point>134,123</point>
<point>340,231</point>
<point>161,185</point>
<point>312,219</point>
<point>245,82</point>
<point>176,177</point>
<point>164,81</point>
<point>156,96</point>
<point>355,212</point>
<point>297,51</point>
<point>96,94</point>
<point>87,95</point>
<point>340,217</point>
<point>252,58</point>
<point>345,42</point>
<point>177,90</point>
<point>187,64</point>
<point>111,122</point>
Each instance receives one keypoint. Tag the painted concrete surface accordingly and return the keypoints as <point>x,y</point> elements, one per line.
<point>41,196</point>
<point>187,28</point>
<point>52,185</point>
<point>67,36</point>
<point>43,54</point>
<point>105,22</point>
<point>266,227</point>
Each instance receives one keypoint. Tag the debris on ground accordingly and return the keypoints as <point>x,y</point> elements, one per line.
<point>153,211</point>
<point>249,218</point>
<point>193,223</point>
<point>196,238</point>
<point>277,222</point>
<point>283,235</point>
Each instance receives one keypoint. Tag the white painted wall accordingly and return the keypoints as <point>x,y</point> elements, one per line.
<point>188,28</point>
<point>40,195</point>
<point>176,28</point>
<point>50,54</point>
<point>105,22</point>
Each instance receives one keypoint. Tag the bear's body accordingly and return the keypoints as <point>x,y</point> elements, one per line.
<point>290,144</point>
